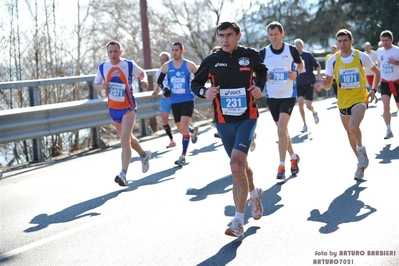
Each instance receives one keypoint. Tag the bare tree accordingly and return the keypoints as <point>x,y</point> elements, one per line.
<point>188,24</point>
<point>120,20</point>
<point>48,48</point>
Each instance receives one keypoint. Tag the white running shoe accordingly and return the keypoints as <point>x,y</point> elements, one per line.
<point>145,164</point>
<point>256,205</point>
<point>181,161</point>
<point>362,158</point>
<point>235,229</point>
<point>304,129</point>
<point>359,173</point>
<point>194,135</point>
<point>388,135</point>
<point>316,118</point>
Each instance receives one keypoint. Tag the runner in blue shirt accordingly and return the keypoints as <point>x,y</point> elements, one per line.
<point>306,82</point>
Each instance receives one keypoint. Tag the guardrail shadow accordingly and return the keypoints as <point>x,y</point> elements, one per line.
<point>387,155</point>
<point>229,251</point>
<point>22,169</point>
<point>343,209</point>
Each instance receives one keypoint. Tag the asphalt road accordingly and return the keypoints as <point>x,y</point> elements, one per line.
<point>71,212</point>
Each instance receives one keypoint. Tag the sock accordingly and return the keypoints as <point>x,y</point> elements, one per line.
<point>293,156</point>
<point>388,127</point>
<point>239,216</point>
<point>143,154</point>
<point>168,131</point>
<point>282,163</point>
<point>185,141</point>
<point>360,148</point>
<point>123,173</point>
<point>190,128</point>
<point>253,194</point>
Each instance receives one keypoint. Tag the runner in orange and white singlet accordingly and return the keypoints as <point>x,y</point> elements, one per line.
<point>115,77</point>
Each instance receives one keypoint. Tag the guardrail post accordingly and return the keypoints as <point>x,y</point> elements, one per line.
<point>37,154</point>
<point>144,122</point>
<point>95,131</point>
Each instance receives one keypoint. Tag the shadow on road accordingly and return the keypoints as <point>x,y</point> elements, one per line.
<point>387,155</point>
<point>346,208</point>
<point>218,186</point>
<point>71,213</point>
<point>79,210</point>
<point>229,251</point>
<point>270,200</point>
<point>153,179</point>
<point>32,166</point>
<point>209,148</point>
<point>155,154</point>
<point>301,138</point>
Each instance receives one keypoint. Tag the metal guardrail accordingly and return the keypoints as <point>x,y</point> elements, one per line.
<point>39,121</point>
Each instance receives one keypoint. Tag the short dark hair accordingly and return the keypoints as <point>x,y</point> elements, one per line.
<point>387,33</point>
<point>273,25</point>
<point>227,25</point>
<point>344,32</point>
<point>178,44</point>
<point>114,42</point>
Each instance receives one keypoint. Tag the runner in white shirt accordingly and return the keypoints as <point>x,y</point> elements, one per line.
<point>389,64</point>
<point>370,75</point>
<point>284,63</point>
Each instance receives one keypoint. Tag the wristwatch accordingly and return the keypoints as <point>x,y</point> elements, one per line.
<point>202,91</point>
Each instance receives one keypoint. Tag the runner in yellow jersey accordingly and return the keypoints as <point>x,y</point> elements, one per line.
<point>347,67</point>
